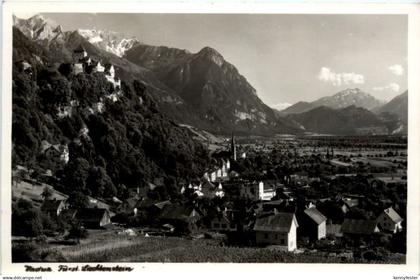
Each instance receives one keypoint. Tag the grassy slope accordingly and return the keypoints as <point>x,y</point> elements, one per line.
<point>108,246</point>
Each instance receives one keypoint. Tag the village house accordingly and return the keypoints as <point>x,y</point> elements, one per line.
<point>312,224</point>
<point>97,203</point>
<point>150,208</point>
<point>24,66</point>
<point>128,206</point>
<point>356,227</point>
<point>273,205</point>
<point>211,190</point>
<point>183,218</point>
<point>218,172</point>
<point>56,151</point>
<point>346,203</point>
<point>390,221</point>
<point>53,207</point>
<point>278,229</point>
<point>257,191</point>
<point>225,221</point>
<point>93,218</point>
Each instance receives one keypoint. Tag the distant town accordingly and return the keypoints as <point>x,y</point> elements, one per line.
<point>342,199</point>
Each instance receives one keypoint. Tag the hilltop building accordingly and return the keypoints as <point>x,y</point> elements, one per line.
<point>83,63</point>
<point>79,54</point>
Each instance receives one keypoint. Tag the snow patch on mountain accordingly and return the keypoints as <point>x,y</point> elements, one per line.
<point>109,41</point>
<point>281,106</point>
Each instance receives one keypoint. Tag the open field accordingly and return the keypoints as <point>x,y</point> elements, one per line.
<point>375,162</point>
<point>108,246</point>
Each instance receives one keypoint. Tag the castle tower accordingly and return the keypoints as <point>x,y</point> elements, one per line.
<point>233,148</point>
<point>79,54</point>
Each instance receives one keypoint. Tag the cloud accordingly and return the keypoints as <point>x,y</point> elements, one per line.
<point>396,69</point>
<point>392,86</point>
<point>337,79</point>
<point>281,106</point>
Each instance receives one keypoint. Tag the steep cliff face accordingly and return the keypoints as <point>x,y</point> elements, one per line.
<point>213,88</point>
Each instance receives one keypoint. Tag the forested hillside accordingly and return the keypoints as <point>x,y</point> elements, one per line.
<point>96,139</point>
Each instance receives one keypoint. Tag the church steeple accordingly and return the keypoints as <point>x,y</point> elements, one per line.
<point>233,147</point>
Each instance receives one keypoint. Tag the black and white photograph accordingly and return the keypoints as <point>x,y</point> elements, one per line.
<point>209,138</point>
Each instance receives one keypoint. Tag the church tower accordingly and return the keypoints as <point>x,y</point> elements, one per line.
<point>233,148</point>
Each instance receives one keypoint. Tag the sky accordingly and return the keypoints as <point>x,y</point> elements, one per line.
<point>286,58</point>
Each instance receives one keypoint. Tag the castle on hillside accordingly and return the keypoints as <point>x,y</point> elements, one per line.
<point>83,63</point>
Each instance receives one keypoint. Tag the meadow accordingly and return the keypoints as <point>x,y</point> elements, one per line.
<point>108,246</point>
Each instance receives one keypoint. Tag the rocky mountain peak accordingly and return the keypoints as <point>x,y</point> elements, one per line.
<point>348,97</point>
<point>350,91</point>
<point>38,27</point>
<point>110,41</point>
<point>212,55</point>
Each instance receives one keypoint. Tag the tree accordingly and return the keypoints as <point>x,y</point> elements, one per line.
<point>77,231</point>
<point>46,193</point>
<point>100,184</point>
<point>76,174</point>
<point>78,200</point>
<point>26,220</point>
<point>17,176</point>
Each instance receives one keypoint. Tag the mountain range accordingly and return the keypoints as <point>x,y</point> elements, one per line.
<point>390,118</point>
<point>203,89</point>
<point>351,120</point>
<point>342,99</point>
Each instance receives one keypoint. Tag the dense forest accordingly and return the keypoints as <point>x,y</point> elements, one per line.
<point>115,138</point>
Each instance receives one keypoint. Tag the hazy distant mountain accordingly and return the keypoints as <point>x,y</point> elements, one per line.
<point>347,121</point>
<point>347,98</point>
<point>339,100</point>
<point>398,106</point>
<point>297,108</point>
<point>281,106</point>
<point>396,111</point>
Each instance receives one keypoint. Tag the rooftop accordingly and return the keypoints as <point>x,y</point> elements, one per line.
<point>281,222</point>
<point>315,215</point>
<point>354,226</point>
